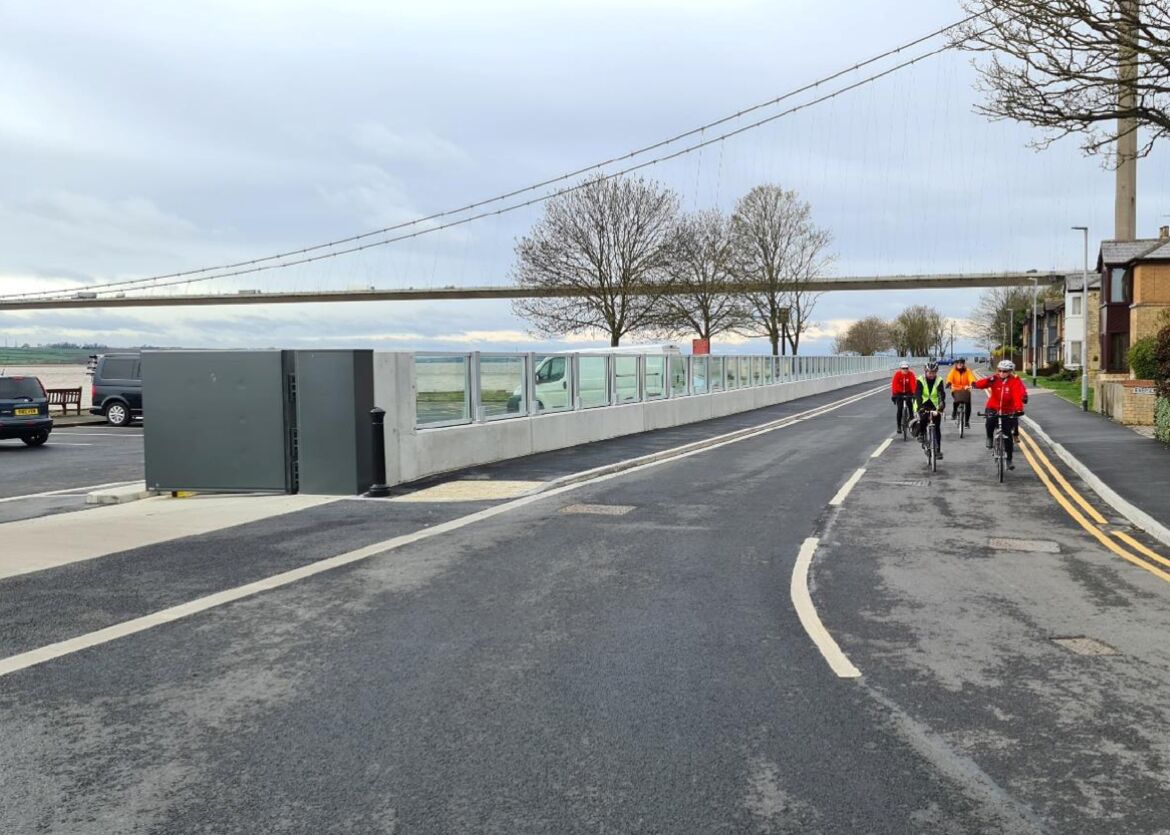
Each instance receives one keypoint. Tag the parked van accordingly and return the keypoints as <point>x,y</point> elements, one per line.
<point>552,378</point>
<point>117,388</point>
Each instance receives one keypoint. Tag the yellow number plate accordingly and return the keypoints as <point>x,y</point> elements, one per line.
<point>26,412</point>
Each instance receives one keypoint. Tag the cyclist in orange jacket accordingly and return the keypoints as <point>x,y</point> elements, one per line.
<point>959,381</point>
<point>903,390</point>
<point>1006,395</point>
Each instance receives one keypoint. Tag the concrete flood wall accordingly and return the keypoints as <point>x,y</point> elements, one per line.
<point>413,453</point>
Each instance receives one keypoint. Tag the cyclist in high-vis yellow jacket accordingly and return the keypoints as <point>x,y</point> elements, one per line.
<point>931,401</point>
<point>959,381</point>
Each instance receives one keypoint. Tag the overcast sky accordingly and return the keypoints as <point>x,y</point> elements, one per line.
<point>145,138</point>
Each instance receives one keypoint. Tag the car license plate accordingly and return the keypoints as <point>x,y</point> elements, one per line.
<point>19,412</point>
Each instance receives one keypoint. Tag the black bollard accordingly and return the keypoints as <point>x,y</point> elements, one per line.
<point>379,489</point>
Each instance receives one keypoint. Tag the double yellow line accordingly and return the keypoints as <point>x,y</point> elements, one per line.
<point>1087,516</point>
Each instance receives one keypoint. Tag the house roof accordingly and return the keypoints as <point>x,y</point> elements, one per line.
<point>1116,253</point>
<point>1072,283</point>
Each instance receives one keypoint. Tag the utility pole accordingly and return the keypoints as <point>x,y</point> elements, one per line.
<point>1125,205</point>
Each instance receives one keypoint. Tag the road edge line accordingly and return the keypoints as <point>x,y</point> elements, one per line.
<point>1134,514</point>
<point>838,662</point>
<point>846,488</point>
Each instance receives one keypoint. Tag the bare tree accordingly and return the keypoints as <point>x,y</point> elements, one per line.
<point>608,241</point>
<point>1060,65</point>
<point>700,275</point>
<point>867,337</point>
<point>778,251</point>
<point>916,330</point>
<point>1001,312</point>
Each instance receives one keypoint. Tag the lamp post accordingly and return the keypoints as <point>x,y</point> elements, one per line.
<point>1035,334</point>
<point>1084,322</point>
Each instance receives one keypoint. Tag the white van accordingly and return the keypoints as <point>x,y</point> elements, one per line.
<point>552,381</point>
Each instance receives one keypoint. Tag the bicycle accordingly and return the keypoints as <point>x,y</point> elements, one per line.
<point>962,411</point>
<point>905,413</point>
<point>998,452</point>
<point>930,441</point>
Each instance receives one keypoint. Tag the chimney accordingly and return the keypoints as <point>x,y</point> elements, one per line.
<point>1164,233</point>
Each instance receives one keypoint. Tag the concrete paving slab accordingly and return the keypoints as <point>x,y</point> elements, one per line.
<point>51,541</point>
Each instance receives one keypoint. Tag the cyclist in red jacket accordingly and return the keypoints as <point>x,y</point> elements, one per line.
<point>1006,395</point>
<point>903,390</point>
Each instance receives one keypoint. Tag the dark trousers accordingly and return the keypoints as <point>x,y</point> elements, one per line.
<point>1011,425</point>
<point>903,404</point>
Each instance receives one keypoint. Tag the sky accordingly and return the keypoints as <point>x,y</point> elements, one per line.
<point>148,138</point>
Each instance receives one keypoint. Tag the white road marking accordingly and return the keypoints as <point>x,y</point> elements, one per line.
<point>57,432</point>
<point>70,443</point>
<point>846,487</point>
<point>884,446</point>
<point>802,602</point>
<point>63,491</point>
<point>33,657</point>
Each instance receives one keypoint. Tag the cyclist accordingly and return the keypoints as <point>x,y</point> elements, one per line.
<point>931,400</point>
<point>1006,395</point>
<point>903,387</point>
<point>959,381</point>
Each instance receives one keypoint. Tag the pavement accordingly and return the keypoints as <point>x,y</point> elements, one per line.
<point>616,655</point>
<point>1136,468</point>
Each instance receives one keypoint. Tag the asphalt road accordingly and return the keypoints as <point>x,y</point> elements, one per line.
<point>74,457</point>
<point>544,671</point>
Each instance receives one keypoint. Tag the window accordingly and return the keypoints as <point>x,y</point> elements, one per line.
<point>1117,286</point>
<point>1076,306</point>
<point>1074,352</point>
<point>119,369</point>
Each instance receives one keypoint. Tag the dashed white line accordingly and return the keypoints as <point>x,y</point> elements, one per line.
<point>846,487</point>
<point>802,602</point>
<point>882,448</point>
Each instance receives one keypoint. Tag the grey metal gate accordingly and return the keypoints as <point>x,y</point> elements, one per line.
<point>220,420</point>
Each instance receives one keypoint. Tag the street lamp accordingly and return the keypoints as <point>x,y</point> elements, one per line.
<point>1035,335</point>
<point>1084,322</point>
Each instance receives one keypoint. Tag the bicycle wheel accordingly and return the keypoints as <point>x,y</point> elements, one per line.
<point>962,419</point>
<point>999,457</point>
<point>905,425</point>
<point>932,451</point>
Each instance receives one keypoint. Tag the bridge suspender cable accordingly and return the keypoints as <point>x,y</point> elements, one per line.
<point>257,265</point>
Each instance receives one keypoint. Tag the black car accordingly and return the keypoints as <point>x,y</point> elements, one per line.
<point>117,388</point>
<point>24,410</point>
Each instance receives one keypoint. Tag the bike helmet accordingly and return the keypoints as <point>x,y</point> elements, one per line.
<point>1006,365</point>
<point>932,365</point>
<point>962,360</point>
<point>904,364</point>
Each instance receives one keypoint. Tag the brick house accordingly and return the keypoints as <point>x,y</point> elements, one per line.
<point>1135,289</point>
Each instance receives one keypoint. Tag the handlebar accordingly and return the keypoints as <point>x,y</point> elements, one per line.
<point>992,413</point>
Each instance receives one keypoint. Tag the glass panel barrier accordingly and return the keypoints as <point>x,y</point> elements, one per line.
<point>625,379</point>
<point>769,369</point>
<point>716,373</point>
<point>593,385</point>
<point>699,367</point>
<point>757,371</point>
<point>678,376</point>
<point>552,380</point>
<point>655,377</point>
<point>745,372</point>
<point>443,390</point>
<point>501,386</point>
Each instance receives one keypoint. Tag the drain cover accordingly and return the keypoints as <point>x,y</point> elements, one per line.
<point>1035,546</point>
<point>599,509</point>
<point>1085,646</point>
<point>924,482</point>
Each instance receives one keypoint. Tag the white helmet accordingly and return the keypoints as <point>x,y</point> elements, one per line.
<point>904,364</point>
<point>1006,365</point>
